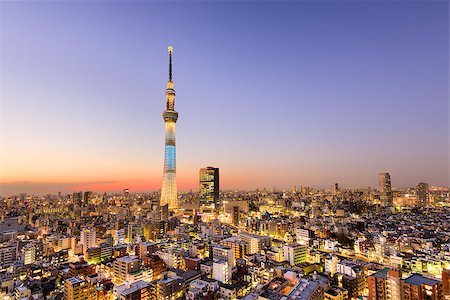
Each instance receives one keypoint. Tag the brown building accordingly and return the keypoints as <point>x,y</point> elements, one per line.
<point>155,263</point>
<point>417,287</point>
<point>80,268</point>
<point>446,283</point>
<point>384,284</point>
<point>193,263</point>
<point>146,249</point>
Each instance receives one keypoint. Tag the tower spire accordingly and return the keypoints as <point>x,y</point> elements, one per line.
<point>170,49</point>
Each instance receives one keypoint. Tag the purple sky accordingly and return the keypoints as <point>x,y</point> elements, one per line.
<point>274,94</point>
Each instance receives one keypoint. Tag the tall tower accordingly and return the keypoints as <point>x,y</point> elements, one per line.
<point>385,188</point>
<point>170,116</point>
<point>422,193</point>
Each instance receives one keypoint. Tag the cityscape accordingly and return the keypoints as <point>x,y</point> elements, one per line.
<point>282,231</point>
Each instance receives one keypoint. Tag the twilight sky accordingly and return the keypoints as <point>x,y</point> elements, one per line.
<point>273,93</point>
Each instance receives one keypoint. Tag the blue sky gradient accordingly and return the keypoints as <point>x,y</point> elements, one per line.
<point>272,93</point>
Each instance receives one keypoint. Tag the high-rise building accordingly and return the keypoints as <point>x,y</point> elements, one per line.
<point>236,215</point>
<point>77,198</point>
<point>209,189</point>
<point>335,188</point>
<point>422,194</point>
<point>88,195</point>
<point>385,188</point>
<point>170,116</point>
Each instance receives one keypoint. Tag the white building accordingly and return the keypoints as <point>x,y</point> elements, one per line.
<point>255,243</point>
<point>348,268</point>
<point>331,264</point>
<point>87,238</point>
<point>119,236</point>
<point>303,236</point>
<point>223,253</point>
<point>221,271</point>
<point>173,258</point>
<point>330,245</point>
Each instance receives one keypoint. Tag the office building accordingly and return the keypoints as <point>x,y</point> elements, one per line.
<point>209,189</point>
<point>77,198</point>
<point>385,188</point>
<point>422,193</point>
<point>236,215</point>
<point>295,254</point>
<point>255,243</point>
<point>335,189</point>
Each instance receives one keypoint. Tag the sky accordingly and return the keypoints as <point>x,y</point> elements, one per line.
<point>275,94</point>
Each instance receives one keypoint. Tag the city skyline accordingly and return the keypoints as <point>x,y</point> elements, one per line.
<point>308,106</point>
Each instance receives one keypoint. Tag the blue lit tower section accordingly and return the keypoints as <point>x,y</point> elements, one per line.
<point>170,116</point>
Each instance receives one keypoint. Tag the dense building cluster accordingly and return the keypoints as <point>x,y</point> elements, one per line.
<point>294,244</point>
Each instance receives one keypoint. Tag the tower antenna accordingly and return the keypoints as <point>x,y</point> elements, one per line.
<point>170,49</point>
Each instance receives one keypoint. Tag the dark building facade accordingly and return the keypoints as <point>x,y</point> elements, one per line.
<point>209,189</point>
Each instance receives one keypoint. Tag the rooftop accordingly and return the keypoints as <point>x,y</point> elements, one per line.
<point>417,279</point>
<point>75,280</point>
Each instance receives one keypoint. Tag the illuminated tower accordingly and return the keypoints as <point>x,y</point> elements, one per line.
<point>169,184</point>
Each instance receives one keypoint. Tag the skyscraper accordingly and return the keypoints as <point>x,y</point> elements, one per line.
<point>385,188</point>
<point>422,194</point>
<point>209,189</point>
<point>170,116</point>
